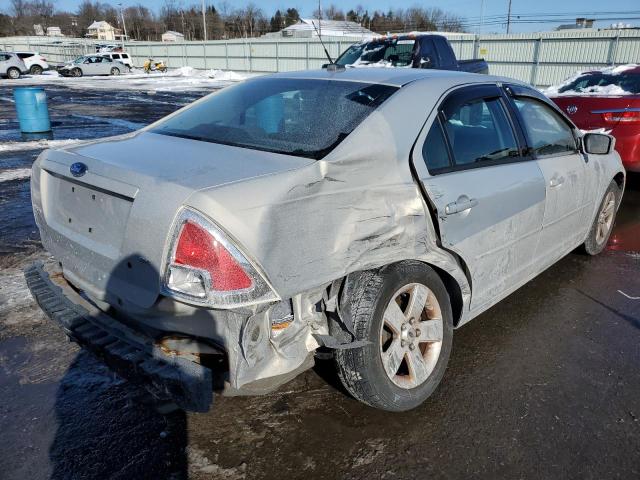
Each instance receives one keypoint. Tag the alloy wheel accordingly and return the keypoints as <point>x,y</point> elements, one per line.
<point>411,335</point>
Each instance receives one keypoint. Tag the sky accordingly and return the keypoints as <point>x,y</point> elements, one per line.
<point>470,9</point>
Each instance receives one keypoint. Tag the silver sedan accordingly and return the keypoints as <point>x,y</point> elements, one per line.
<point>93,65</point>
<point>369,212</point>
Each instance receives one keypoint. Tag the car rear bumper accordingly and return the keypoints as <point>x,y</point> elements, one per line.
<point>129,353</point>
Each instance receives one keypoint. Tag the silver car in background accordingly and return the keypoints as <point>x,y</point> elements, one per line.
<point>11,66</point>
<point>92,65</point>
<point>367,212</point>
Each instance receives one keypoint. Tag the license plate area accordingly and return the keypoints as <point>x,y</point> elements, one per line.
<point>87,215</point>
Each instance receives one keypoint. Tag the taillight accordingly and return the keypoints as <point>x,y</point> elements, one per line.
<point>625,116</point>
<point>205,267</point>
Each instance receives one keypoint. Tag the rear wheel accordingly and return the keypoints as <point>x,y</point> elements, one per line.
<point>35,70</point>
<point>13,73</point>
<point>404,312</point>
<point>76,72</point>
<point>603,223</point>
<point>115,71</point>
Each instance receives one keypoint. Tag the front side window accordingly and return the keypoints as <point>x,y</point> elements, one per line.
<point>479,131</point>
<point>547,133</point>
<point>301,117</point>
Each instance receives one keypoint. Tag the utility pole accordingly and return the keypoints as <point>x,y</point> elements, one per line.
<point>481,17</point>
<point>509,18</point>
<point>319,19</point>
<point>124,25</point>
<point>204,22</point>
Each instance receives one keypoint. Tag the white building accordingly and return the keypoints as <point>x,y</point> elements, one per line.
<point>54,32</point>
<point>309,27</point>
<point>103,31</point>
<point>171,36</point>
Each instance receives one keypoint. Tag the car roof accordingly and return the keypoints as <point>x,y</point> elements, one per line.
<point>396,76</point>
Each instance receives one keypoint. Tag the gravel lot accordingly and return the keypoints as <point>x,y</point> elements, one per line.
<point>544,385</point>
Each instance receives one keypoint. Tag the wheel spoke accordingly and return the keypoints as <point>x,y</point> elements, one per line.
<point>430,330</point>
<point>417,301</point>
<point>392,358</point>
<point>394,317</point>
<point>418,368</point>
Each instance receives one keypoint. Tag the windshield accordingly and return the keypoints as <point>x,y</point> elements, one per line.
<point>398,53</point>
<point>593,82</point>
<point>79,59</point>
<point>301,117</point>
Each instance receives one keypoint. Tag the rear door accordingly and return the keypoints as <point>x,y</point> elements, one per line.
<point>487,193</point>
<point>554,145</point>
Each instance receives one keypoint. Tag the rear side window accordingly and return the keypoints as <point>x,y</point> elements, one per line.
<point>479,131</point>
<point>115,56</point>
<point>25,55</point>
<point>434,150</point>
<point>302,117</point>
<point>125,55</point>
<point>547,132</point>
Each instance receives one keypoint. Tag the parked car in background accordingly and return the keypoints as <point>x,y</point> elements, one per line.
<point>11,66</point>
<point>420,50</point>
<point>105,48</point>
<point>92,65</point>
<point>606,100</point>
<point>35,63</point>
<point>119,57</point>
<point>369,211</point>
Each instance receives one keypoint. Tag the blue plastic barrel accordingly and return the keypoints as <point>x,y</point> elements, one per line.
<point>32,110</point>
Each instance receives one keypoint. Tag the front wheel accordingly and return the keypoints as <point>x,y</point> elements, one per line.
<point>603,223</point>
<point>404,312</point>
<point>115,71</point>
<point>76,72</point>
<point>13,73</point>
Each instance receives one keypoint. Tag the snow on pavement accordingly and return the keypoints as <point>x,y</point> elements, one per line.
<point>14,174</point>
<point>184,78</point>
<point>35,144</point>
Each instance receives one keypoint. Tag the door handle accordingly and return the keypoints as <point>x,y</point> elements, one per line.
<point>463,203</point>
<point>556,181</point>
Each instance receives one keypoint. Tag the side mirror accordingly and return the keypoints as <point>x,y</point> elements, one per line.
<point>325,65</point>
<point>598,143</point>
<point>426,62</point>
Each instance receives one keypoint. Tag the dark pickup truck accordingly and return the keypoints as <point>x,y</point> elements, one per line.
<point>411,50</point>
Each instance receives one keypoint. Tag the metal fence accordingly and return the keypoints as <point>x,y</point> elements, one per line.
<point>541,59</point>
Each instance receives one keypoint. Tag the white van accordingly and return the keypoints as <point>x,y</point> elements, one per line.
<point>119,57</point>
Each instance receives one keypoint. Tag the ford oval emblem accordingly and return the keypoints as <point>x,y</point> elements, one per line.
<point>572,109</point>
<point>78,169</point>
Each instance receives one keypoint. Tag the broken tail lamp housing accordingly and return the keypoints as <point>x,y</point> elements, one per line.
<point>204,267</point>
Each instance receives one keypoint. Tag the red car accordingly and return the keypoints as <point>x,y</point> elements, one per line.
<point>607,99</point>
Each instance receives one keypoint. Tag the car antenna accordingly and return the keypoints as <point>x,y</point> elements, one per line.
<point>332,66</point>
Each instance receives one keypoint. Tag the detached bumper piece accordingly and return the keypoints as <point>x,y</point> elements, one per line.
<point>127,352</point>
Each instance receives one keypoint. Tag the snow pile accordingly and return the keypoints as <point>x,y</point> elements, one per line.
<point>14,174</point>
<point>554,91</point>
<point>35,144</point>
<point>177,79</point>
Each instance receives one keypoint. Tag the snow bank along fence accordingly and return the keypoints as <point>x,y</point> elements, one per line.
<point>541,59</point>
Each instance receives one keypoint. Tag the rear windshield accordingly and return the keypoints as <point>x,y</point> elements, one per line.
<point>301,117</point>
<point>628,82</point>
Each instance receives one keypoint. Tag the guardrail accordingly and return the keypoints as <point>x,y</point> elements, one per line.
<point>541,59</point>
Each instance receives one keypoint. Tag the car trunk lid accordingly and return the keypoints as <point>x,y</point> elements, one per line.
<point>109,227</point>
<point>588,111</point>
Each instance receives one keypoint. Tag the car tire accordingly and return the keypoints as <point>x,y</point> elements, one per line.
<point>603,222</point>
<point>13,73</point>
<point>115,71</point>
<point>76,72</point>
<point>382,307</point>
<point>36,70</point>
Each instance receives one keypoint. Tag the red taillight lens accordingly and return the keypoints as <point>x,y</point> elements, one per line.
<point>198,249</point>
<point>626,117</point>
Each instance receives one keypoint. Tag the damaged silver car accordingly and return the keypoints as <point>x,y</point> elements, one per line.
<point>364,213</point>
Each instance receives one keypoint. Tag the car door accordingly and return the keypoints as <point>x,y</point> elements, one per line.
<point>487,194</point>
<point>554,145</point>
<point>4,63</point>
<point>89,66</point>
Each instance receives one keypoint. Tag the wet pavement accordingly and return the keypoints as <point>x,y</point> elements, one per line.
<point>544,385</point>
